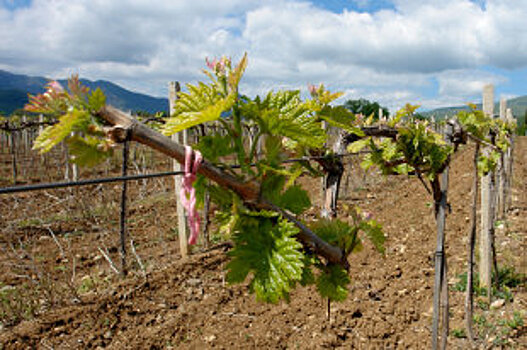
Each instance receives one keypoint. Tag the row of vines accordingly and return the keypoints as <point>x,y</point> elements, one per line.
<point>260,204</point>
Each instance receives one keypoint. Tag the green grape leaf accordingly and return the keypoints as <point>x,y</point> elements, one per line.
<point>295,172</point>
<point>338,233</point>
<point>88,151</point>
<point>273,150</point>
<point>201,186</point>
<point>373,230</point>
<point>333,282</point>
<point>203,103</point>
<point>367,162</point>
<point>340,117</point>
<point>268,251</point>
<point>284,114</point>
<point>357,146</point>
<point>487,163</point>
<point>221,196</point>
<point>422,148</point>
<point>187,120</point>
<point>308,277</point>
<point>212,147</point>
<point>294,199</point>
<point>403,169</point>
<point>96,100</point>
<point>404,113</point>
<point>358,247</point>
<point>228,222</point>
<point>75,120</point>
<point>272,185</point>
<point>475,122</point>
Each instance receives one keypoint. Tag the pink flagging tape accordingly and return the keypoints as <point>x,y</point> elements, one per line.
<point>188,192</point>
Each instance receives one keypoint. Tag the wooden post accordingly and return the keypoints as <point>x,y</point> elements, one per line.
<point>333,170</point>
<point>74,168</point>
<point>74,171</point>
<point>66,161</point>
<point>23,146</point>
<point>485,249</point>
<point>508,164</point>
<point>40,130</point>
<point>323,213</point>
<point>13,155</point>
<point>381,116</point>
<point>173,89</point>
<point>25,136</point>
<point>501,175</point>
<point>122,219</point>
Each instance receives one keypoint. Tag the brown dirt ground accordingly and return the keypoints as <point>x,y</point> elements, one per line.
<point>80,303</point>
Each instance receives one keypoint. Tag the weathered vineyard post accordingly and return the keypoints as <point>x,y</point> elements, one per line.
<point>441,281</point>
<point>501,175</point>
<point>74,168</point>
<point>66,162</point>
<point>487,215</point>
<point>181,138</point>
<point>13,155</point>
<point>333,171</point>
<point>508,164</point>
<point>122,221</point>
<point>24,147</point>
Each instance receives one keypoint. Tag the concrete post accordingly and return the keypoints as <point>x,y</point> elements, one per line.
<point>485,248</point>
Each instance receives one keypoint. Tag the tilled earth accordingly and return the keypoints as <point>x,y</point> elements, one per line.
<point>187,304</point>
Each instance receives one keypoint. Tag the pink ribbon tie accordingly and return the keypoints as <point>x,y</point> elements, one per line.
<point>187,189</point>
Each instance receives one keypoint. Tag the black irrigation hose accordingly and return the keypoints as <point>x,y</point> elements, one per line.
<point>54,185</point>
<point>47,186</point>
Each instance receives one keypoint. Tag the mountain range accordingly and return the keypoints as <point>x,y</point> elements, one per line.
<point>518,105</point>
<point>15,87</point>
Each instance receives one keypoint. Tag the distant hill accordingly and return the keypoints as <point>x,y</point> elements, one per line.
<point>518,105</point>
<point>11,99</point>
<point>15,87</point>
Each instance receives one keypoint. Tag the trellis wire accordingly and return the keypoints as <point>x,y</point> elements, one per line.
<point>55,185</point>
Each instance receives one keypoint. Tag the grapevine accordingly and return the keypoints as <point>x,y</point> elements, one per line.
<point>260,205</point>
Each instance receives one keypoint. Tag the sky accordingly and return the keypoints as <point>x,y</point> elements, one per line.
<point>429,52</point>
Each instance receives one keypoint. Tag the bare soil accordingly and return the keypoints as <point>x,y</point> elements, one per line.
<point>59,291</point>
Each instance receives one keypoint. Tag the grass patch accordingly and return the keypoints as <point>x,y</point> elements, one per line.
<point>507,278</point>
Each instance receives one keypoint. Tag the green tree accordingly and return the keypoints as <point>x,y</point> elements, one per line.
<point>522,124</point>
<point>366,108</point>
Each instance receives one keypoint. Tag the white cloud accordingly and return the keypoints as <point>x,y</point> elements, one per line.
<point>389,54</point>
<point>426,38</point>
<point>465,84</point>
